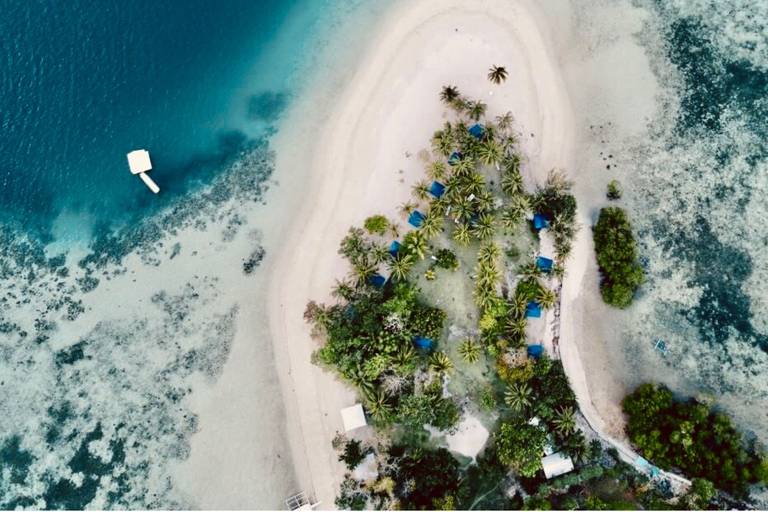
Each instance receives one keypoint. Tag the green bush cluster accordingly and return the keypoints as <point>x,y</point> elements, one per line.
<point>446,259</point>
<point>617,256</point>
<point>376,224</point>
<point>689,436</point>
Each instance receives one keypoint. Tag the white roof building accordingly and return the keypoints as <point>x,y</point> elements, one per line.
<point>139,163</point>
<point>556,464</point>
<point>354,417</point>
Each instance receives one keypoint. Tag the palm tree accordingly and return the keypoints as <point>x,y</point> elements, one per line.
<point>558,270</point>
<point>484,227</point>
<point>474,183</point>
<point>516,328</point>
<point>379,405</point>
<point>497,74</point>
<point>485,201</point>
<point>462,209</point>
<point>361,272</point>
<point>394,228</point>
<point>512,164</point>
<point>510,219</point>
<point>545,297</point>
<point>464,167</point>
<point>436,170</point>
<point>440,362</point>
<point>565,421</point>
<point>521,204</point>
<point>488,274</point>
<point>488,253</point>
<point>449,94</point>
<point>417,244</point>
<point>490,131</point>
<point>404,355</point>
<point>379,253</point>
<point>519,303</point>
<point>343,290</point>
<point>431,226</point>
<point>490,152</point>
<point>438,206</point>
<point>505,122</point>
<point>518,396</point>
<point>530,271</point>
<point>442,144</point>
<point>470,351</point>
<point>420,190</point>
<point>400,266</point>
<point>512,183</point>
<point>477,110</point>
<point>361,381</point>
<point>406,209</point>
<point>484,295</point>
<point>462,234</point>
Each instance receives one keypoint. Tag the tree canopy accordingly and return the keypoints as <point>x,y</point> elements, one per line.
<point>617,256</point>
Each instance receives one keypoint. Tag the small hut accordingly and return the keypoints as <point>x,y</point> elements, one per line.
<point>533,310</point>
<point>378,280</point>
<point>394,248</point>
<point>540,221</point>
<point>535,350</point>
<point>424,343</point>
<point>437,189</point>
<point>545,264</point>
<point>416,218</point>
<point>454,158</point>
<point>556,464</point>
<point>476,131</point>
<point>353,417</point>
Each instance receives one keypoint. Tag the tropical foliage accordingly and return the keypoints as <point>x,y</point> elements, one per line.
<point>617,256</point>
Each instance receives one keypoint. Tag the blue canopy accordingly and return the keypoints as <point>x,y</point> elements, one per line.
<point>533,310</point>
<point>545,264</point>
<point>416,218</point>
<point>539,221</point>
<point>454,158</point>
<point>535,350</point>
<point>437,189</point>
<point>394,248</point>
<point>424,343</point>
<point>476,131</point>
<point>378,280</point>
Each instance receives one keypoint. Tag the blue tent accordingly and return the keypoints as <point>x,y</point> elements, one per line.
<point>545,264</point>
<point>437,189</point>
<point>535,350</point>
<point>539,221</point>
<point>454,158</point>
<point>533,310</point>
<point>416,218</point>
<point>394,248</point>
<point>424,343</point>
<point>378,280</point>
<point>476,131</point>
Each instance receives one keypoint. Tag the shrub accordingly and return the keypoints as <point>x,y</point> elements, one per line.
<point>614,190</point>
<point>376,224</point>
<point>617,256</point>
<point>520,446</point>
<point>353,454</point>
<point>446,259</point>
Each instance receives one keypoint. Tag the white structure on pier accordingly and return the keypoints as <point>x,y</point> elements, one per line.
<point>139,163</point>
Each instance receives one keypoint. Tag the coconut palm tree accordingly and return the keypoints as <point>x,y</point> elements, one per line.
<point>404,355</point>
<point>512,183</point>
<point>438,206</point>
<point>545,297</point>
<point>449,94</point>
<point>464,167</point>
<point>490,131</point>
<point>516,328</point>
<point>394,228</point>
<point>436,170</point>
<point>518,304</point>
<point>512,163</point>
<point>470,351</point>
<point>460,132</point>
<point>431,226</point>
<point>485,201</point>
<point>520,204</point>
<point>361,381</point>
<point>400,266</point>
<point>508,142</point>
<point>505,122</point>
<point>420,190</point>
<point>406,209</point>
<point>462,234</point>
<point>462,209</point>
<point>379,253</point>
<point>497,74</point>
<point>442,144</point>
<point>379,405</point>
<point>477,110</point>
<point>487,274</point>
<point>510,219</point>
<point>490,152</point>
<point>530,271</point>
<point>474,183</point>
<point>417,244</point>
<point>343,290</point>
<point>488,253</point>
<point>440,363</point>
<point>484,295</point>
<point>518,396</point>
<point>565,420</point>
<point>361,272</point>
<point>484,227</point>
<point>558,270</point>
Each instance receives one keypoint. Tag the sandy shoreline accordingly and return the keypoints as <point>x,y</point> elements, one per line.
<point>365,160</point>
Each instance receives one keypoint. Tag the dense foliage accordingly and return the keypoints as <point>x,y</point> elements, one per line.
<point>376,224</point>
<point>427,479</point>
<point>689,436</point>
<point>520,446</point>
<point>617,256</point>
<point>558,205</point>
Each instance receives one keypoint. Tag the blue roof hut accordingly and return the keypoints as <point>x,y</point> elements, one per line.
<point>545,264</point>
<point>540,221</point>
<point>535,350</point>
<point>394,248</point>
<point>533,310</point>
<point>437,189</point>
<point>416,218</point>
<point>476,131</point>
<point>378,281</point>
<point>454,158</point>
<point>424,343</point>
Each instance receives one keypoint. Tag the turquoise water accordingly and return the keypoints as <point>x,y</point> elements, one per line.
<point>81,85</point>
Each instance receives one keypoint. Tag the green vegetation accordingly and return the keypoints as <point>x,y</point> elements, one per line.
<point>520,446</point>
<point>614,190</point>
<point>689,436</point>
<point>617,256</point>
<point>497,74</point>
<point>376,225</point>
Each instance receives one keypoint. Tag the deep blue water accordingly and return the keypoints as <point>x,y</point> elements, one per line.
<point>84,83</point>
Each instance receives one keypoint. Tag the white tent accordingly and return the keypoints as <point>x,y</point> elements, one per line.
<point>353,417</point>
<point>556,464</point>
